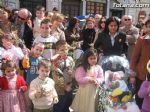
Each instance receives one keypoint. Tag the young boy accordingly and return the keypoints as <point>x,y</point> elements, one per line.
<point>42,91</point>
<point>40,15</point>
<point>62,74</point>
<point>48,40</point>
<point>30,63</point>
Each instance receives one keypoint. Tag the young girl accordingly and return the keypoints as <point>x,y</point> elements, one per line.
<point>89,75</point>
<point>12,88</point>
<point>144,91</point>
<point>8,50</point>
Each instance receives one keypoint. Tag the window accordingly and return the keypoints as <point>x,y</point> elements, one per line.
<point>95,8</point>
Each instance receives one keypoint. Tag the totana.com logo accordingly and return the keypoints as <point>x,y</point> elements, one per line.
<point>118,5</point>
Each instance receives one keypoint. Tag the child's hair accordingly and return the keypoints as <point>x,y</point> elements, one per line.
<point>38,43</point>
<point>12,36</point>
<point>45,63</point>
<point>60,43</point>
<point>40,8</point>
<point>8,64</point>
<point>86,55</point>
<point>46,21</point>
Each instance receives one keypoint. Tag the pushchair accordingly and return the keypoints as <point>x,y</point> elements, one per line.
<point>113,94</point>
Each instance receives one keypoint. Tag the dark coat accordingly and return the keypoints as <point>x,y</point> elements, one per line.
<point>87,36</point>
<point>28,36</point>
<point>103,44</point>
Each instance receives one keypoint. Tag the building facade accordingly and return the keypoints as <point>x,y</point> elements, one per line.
<point>84,7</point>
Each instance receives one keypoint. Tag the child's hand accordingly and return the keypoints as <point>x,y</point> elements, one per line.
<point>38,94</point>
<point>96,82</point>
<point>91,80</point>
<point>55,100</point>
<point>23,88</point>
<point>68,87</point>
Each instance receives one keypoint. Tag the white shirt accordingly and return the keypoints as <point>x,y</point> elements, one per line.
<point>48,42</point>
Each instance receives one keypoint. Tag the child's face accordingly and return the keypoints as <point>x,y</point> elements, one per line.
<point>45,29</point>
<point>10,72</point>
<point>43,72</point>
<point>7,43</point>
<point>148,28</point>
<point>132,80</point>
<point>92,60</point>
<point>63,49</point>
<point>40,14</point>
<point>37,50</point>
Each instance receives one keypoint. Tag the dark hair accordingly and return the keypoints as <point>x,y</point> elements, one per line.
<point>147,22</point>
<point>60,43</point>
<point>100,22</point>
<point>8,64</point>
<point>39,8</point>
<point>46,21</point>
<point>72,23</point>
<point>86,55</point>
<point>108,21</point>
<point>45,63</point>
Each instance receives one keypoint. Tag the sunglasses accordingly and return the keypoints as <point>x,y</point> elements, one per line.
<point>103,22</point>
<point>21,18</point>
<point>127,19</point>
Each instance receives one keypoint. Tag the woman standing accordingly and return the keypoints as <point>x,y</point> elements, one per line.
<point>72,33</point>
<point>88,34</point>
<point>101,26</point>
<point>110,41</point>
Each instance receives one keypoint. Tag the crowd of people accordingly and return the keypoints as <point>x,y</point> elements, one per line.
<point>50,63</point>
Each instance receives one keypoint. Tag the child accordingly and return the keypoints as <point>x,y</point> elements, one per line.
<point>89,75</point>
<point>131,82</point>
<point>62,74</point>
<point>8,51</point>
<point>40,10</point>
<point>12,88</point>
<point>144,91</point>
<point>46,39</point>
<point>32,62</point>
<point>42,91</point>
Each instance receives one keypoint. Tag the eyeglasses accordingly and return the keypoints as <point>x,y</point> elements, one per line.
<point>103,22</point>
<point>127,19</point>
<point>21,18</point>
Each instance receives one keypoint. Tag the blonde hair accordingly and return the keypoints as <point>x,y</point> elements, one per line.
<point>56,17</point>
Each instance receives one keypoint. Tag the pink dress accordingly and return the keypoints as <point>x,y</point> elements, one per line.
<point>12,100</point>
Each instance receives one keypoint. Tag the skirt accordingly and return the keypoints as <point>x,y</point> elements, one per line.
<point>12,101</point>
<point>85,99</point>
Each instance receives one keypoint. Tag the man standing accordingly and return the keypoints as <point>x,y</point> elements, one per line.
<point>131,32</point>
<point>24,31</point>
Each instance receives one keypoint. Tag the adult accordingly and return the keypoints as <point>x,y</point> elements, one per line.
<point>97,19</point>
<point>88,34</point>
<point>139,60</point>
<point>24,31</point>
<point>72,33</point>
<point>5,24</point>
<point>111,41</point>
<point>101,26</point>
<point>132,34</point>
<point>57,20</point>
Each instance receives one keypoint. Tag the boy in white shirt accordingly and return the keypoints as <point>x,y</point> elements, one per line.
<point>40,15</point>
<point>45,38</point>
<point>42,91</point>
